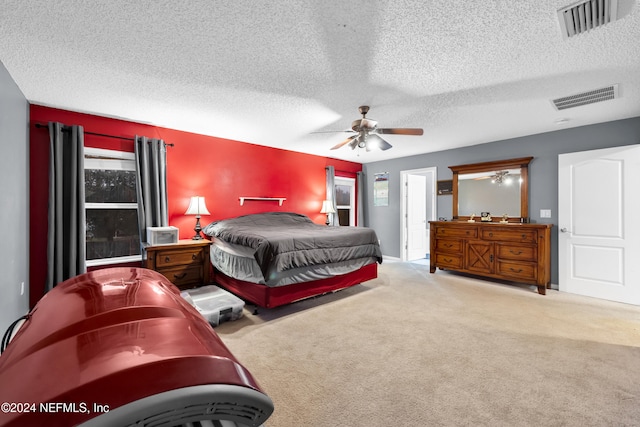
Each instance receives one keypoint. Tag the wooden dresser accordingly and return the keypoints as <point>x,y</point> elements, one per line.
<point>185,264</point>
<point>513,252</point>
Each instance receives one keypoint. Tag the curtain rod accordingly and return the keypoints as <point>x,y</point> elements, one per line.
<point>40,125</point>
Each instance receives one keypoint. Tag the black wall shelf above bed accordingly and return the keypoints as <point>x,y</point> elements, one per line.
<point>280,200</point>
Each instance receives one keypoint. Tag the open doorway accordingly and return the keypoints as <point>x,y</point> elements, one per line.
<point>418,207</point>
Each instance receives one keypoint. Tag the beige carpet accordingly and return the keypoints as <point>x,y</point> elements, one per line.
<point>418,349</point>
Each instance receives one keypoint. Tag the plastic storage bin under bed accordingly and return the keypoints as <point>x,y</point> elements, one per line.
<point>214,304</point>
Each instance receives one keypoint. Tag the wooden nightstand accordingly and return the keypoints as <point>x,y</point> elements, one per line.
<point>185,264</point>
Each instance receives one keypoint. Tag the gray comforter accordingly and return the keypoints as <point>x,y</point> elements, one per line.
<point>284,240</point>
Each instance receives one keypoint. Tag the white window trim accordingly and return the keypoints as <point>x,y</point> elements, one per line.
<point>98,158</point>
<point>97,153</point>
<point>111,206</point>
<point>114,260</point>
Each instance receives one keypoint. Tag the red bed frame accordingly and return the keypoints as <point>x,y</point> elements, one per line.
<point>269,297</point>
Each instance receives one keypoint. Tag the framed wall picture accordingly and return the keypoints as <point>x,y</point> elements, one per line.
<point>381,189</point>
<point>445,187</point>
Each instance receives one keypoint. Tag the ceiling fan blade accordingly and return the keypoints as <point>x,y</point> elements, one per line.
<point>377,141</point>
<point>346,141</point>
<point>334,131</point>
<point>400,131</point>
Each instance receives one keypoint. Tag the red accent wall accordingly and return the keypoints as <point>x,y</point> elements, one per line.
<point>219,169</point>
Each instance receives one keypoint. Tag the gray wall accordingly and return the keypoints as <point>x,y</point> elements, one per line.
<point>14,196</point>
<point>543,174</point>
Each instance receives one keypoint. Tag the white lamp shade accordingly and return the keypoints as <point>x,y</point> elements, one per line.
<point>327,207</point>
<point>197,206</point>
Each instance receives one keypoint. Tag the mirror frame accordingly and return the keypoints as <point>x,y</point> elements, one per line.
<point>522,163</point>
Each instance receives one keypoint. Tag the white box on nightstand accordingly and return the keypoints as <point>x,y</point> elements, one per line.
<point>162,235</point>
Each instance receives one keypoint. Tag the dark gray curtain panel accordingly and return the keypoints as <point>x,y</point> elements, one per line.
<point>331,194</point>
<point>151,182</point>
<point>66,222</point>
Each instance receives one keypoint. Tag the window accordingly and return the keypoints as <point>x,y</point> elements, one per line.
<point>111,208</point>
<point>346,200</point>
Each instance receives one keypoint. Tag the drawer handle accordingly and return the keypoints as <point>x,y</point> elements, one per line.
<point>448,260</point>
<point>194,257</point>
<point>516,271</point>
<point>490,234</point>
<point>515,253</point>
<point>524,236</point>
<point>167,259</point>
<point>180,276</point>
<point>448,245</point>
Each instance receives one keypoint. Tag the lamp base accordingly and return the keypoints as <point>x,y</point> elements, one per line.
<point>197,229</point>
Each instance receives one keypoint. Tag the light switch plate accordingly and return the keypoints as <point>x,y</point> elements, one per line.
<point>545,213</point>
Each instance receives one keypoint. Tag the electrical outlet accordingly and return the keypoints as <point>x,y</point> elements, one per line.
<point>545,213</point>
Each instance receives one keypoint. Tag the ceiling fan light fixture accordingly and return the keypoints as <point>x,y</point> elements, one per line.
<point>368,133</point>
<point>501,177</point>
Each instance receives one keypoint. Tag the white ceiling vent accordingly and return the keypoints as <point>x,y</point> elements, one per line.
<point>586,15</point>
<point>585,98</point>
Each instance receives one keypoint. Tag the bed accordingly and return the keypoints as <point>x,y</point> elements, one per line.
<point>275,258</point>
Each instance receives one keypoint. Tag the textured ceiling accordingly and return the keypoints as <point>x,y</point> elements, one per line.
<point>274,72</point>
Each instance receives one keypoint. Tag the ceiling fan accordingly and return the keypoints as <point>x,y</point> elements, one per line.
<point>368,133</point>
<point>498,178</point>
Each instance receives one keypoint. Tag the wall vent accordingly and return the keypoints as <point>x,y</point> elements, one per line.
<point>586,15</point>
<point>585,98</point>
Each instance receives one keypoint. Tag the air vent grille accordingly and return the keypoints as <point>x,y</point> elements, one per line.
<point>585,98</point>
<point>586,15</point>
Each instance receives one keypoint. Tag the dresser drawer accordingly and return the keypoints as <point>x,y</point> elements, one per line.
<point>184,275</point>
<point>453,231</point>
<point>517,270</point>
<point>517,253</point>
<point>178,257</point>
<point>509,235</point>
<point>185,264</point>
<point>449,245</point>
<point>448,260</point>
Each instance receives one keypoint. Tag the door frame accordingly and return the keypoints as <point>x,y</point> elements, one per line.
<point>432,182</point>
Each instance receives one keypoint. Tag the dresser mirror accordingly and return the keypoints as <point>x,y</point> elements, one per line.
<point>500,188</point>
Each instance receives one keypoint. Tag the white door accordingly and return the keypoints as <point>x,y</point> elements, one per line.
<point>417,243</point>
<point>599,238</point>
